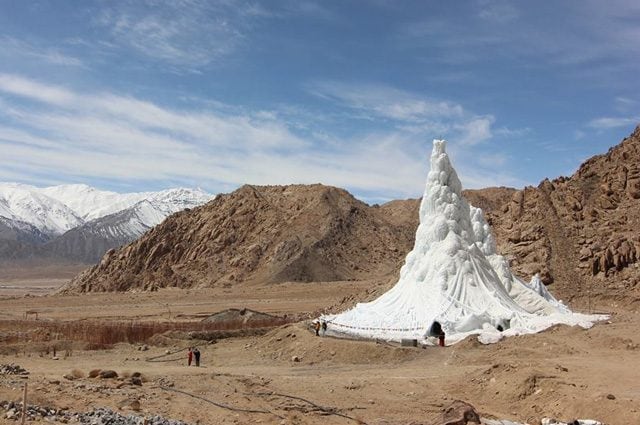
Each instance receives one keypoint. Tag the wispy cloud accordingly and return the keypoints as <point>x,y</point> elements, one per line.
<point>61,133</point>
<point>410,112</point>
<point>185,33</point>
<point>117,138</point>
<point>613,122</point>
<point>16,85</point>
<point>593,32</point>
<point>384,102</point>
<point>625,104</point>
<point>13,47</point>
<point>418,118</point>
<point>498,11</point>
<point>476,130</point>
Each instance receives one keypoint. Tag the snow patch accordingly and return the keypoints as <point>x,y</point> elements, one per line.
<point>57,209</point>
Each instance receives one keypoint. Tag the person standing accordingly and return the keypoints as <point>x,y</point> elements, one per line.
<point>196,353</point>
<point>324,328</point>
<point>316,327</point>
<point>189,356</point>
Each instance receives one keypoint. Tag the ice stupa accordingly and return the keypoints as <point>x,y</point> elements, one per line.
<point>454,279</point>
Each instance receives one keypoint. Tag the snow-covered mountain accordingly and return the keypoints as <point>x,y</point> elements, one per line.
<point>30,205</point>
<point>79,222</point>
<point>87,243</point>
<point>91,203</point>
<point>20,231</point>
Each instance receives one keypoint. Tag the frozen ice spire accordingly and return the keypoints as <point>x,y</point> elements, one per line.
<point>452,276</point>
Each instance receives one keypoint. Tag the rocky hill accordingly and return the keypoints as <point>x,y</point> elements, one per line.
<point>579,232</point>
<point>261,233</point>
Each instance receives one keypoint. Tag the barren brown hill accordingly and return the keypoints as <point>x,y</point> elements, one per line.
<point>260,234</point>
<point>579,232</point>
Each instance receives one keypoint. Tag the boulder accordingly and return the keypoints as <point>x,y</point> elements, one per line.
<point>108,374</point>
<point>460,413</point>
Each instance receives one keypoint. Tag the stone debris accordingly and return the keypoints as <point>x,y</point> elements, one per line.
<point>103,416</point>
<point>98,416</point>
<point>12,369</point>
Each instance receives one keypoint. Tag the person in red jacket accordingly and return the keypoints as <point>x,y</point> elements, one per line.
<point>189,356</point>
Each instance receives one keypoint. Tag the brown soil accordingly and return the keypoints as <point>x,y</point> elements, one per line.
<point>564,372</point>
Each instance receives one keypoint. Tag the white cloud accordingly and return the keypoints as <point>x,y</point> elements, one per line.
<point>613,122</point>
<point>71,134</point>
<point>12,47</point>
<point>32,89</point>
<point>55,133</point>
<point>185,33</point>
<point>625,104</point>
<point>603,35</point>
<point>476,130</point>
<point>409,112</point>
<point>511,132</point>
<point>498,11</point>
<point>385,102</point>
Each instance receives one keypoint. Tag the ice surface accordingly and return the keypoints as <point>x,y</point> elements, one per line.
<point>545,421</point>
<point>454,276</point>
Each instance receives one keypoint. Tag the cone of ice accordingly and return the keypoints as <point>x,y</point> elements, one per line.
<point>453,279</point>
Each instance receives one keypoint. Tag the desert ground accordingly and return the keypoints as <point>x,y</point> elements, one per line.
<point>287,375</point>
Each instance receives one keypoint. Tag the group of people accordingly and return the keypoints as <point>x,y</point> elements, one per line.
<point>192,354</point>
<point>317,326</point>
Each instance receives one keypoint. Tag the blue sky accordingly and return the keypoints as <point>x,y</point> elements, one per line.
<point>142,95</point>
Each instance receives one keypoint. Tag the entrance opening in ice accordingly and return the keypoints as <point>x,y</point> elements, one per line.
<point>454,277</point>
<point>436,329</point>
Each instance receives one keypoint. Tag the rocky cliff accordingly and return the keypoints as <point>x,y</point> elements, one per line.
<point>580,232</point>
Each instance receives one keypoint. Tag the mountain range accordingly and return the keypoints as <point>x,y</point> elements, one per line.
<point>80,223</point>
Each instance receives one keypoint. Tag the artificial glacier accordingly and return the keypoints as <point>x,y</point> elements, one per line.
<point>454,280</point>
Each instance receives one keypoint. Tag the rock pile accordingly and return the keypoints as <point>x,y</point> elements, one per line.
<point>13,411</point>
<point>98,416</point>
<point>104,416</point>
<point>12,369</point>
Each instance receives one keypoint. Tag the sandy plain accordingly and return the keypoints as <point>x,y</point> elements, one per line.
<point>564,372</point>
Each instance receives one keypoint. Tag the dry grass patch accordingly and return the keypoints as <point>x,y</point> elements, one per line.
<point>76,373</point>
<point>103,334</point>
